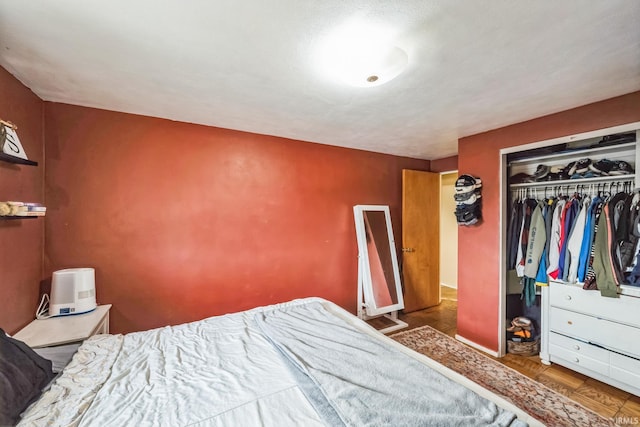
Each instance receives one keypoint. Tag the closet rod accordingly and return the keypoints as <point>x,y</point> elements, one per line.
<point>609,187</point>
<point>584,181</point>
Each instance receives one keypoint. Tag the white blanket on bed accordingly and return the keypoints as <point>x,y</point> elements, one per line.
<point>220,371</point>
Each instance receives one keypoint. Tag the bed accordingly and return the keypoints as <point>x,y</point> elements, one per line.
<point>305,362</point>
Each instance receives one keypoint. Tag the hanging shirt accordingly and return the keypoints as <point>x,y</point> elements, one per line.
<point>587,240</point>
<point>575,243</point>
<point>554,245</point>
<point>571,212</point>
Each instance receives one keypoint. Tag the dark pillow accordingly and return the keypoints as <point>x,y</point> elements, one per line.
<point>23,375</point>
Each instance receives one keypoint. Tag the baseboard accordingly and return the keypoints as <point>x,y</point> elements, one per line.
<point>477,346</point>
<point>446,285</point>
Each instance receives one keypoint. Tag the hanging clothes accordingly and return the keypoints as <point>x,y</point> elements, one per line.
<point>595,242</point>
<point>528,205</point>
<point>571,212</point>
<point>513,232</point>
<point>587,240</point>
<point>554,247</point>
<point>574,243</point>
<point>602,265</point>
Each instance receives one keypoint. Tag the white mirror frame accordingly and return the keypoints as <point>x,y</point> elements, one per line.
<point>367,308</point>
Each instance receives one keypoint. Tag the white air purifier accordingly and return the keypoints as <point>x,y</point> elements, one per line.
<point>73,291</point>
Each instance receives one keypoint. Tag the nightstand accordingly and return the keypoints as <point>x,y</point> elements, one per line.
<point>65,329</point>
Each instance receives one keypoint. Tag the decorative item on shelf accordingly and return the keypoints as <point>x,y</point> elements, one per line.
<point>467,196</point>
<point>17,210</point>
<point>12,150</point>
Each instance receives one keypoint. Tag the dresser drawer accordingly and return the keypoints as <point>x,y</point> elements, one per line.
<point>579,348</point>
<point>578,359</point>
<point>616,336</point>
<point>624,309</point>
<point>625,369</point>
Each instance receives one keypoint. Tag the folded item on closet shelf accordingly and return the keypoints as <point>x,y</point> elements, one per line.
<point>541,172</point>
<point>520,178</point>
<point>467,183</point>
<point>587,174</point>
<point>611,167</point>
<point>602,166</point>
<point>580,166</point>
<point>618,138</point>
<point>620,167</point>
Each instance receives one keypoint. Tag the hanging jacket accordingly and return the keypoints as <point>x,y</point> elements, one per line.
<point>528,207</point>
<point>575,242</point>
<point>590,280</point>
<point>513,233</point>
<point>554,245</point>
<point>587,240</point>
<point>570,215</point>
<point>536,242</point>
<point>617,217</point>
<point>602,265</point>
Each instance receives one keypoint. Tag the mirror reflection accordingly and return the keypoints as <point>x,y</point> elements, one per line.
<point>379,255</point>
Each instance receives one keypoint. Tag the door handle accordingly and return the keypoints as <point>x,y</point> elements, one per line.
<point>408,250</point>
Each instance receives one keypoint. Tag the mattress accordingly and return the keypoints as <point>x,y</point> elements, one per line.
<point>305,362</point>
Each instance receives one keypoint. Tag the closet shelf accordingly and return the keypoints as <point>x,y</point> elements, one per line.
<point>574,182</point>
<point>578,153</point>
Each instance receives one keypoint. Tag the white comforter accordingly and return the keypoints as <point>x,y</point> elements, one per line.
<point>218,371</point>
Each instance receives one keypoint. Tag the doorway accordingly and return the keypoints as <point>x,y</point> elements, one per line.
<point>448,237</point>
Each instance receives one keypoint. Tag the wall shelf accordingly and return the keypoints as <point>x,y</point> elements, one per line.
<point>18,160</point>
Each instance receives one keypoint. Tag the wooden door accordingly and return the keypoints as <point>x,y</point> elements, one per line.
<point>420,239</point>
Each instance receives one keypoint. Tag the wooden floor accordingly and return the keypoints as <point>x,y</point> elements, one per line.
<point>604,399</point>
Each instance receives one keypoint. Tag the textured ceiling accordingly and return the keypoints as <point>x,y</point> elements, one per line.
<point>251,65</point>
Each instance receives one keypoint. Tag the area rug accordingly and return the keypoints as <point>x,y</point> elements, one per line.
<point>539,401</point>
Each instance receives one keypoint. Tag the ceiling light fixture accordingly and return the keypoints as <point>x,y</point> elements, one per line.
<point>361,55</point>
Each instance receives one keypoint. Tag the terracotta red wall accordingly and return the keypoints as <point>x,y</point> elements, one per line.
<point>479,246</point>
<point>183,221</point>
<point>22,240</point>
<point>446,164</point>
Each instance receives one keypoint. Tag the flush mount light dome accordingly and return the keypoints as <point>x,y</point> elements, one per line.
<point>361,55</point>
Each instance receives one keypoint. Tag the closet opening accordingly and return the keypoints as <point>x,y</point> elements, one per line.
<point>547,190</point>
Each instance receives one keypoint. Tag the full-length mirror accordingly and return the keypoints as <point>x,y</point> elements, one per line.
<point>379,288</point>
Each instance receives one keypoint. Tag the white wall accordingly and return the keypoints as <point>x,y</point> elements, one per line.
<point>448,231</point>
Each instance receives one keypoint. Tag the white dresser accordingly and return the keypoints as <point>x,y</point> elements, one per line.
<point>591,334</point>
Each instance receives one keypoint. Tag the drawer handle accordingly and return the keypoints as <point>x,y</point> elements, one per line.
<point>577,347</point>
<point>567,297</point>
<point>575,359</point>
<point>569,322</point>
